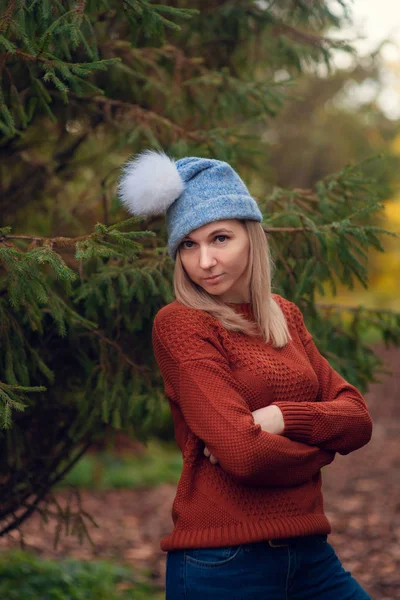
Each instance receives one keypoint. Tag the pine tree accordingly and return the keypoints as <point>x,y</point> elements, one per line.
<point>83,85</point>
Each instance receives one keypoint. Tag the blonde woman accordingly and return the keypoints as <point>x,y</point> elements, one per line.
<point>257,410</point>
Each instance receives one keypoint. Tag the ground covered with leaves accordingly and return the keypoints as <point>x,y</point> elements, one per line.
<point>362,501</point>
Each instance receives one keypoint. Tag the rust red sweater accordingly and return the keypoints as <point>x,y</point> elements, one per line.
<point>264,486</point>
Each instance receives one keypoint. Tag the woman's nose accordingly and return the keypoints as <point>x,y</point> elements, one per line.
<point>207,259</point>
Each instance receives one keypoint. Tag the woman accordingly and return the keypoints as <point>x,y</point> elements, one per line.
<point>257,410</point>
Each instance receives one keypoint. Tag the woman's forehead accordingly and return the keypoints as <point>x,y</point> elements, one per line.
<point>209,228</point>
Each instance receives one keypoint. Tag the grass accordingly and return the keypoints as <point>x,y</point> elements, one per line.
<point>24,576</point>
<point>161,463</point>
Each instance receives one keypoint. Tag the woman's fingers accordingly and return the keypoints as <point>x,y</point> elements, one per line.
<point>207,453</point>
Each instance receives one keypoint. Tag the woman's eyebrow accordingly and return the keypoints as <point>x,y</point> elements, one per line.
<point>213,232</point>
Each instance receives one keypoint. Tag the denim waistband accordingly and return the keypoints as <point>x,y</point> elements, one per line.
<point>298,541</point>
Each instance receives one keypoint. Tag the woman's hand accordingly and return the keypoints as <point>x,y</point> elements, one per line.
<point>213,459</point>
<point>269,417</point>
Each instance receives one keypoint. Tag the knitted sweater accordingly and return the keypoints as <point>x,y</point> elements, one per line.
<point>264,486</point>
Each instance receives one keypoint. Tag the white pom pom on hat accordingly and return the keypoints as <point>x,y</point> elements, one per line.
<point>149,183</point>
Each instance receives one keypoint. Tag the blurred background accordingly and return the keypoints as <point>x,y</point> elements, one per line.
<point>375,33</point>
<point>323,107</point>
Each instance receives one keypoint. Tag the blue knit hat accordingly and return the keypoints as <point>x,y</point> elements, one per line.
<point>192,191</point>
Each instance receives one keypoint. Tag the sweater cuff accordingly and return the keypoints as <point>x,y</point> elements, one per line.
<point>297,421</point>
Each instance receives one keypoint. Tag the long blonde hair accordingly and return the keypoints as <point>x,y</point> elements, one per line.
<point>269,319</point>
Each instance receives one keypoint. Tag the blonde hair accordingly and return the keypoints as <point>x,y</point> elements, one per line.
<point>269,319</point>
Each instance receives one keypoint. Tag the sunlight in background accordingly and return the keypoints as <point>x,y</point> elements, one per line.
<point>373,22</point>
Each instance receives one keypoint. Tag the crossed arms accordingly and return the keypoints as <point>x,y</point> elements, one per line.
<point>210,400</point>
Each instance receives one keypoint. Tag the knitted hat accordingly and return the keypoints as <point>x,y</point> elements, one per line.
<point>192,191</point>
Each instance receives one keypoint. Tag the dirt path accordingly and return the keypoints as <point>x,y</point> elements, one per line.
<point>362,500</point>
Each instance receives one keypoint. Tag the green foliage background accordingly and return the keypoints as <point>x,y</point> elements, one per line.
<point>26,577</point>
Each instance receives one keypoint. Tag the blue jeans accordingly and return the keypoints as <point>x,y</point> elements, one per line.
<point>307,568</point>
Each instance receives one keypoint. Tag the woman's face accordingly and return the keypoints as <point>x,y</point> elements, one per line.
<point>219,248</point>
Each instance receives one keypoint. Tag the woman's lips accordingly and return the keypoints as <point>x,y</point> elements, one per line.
<point>214,279</point>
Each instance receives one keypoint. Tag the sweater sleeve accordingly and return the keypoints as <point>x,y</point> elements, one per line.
<point>340,420</point>
<point>201,382</point>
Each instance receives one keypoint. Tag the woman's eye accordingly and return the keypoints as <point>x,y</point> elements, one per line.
<point>191,242</point>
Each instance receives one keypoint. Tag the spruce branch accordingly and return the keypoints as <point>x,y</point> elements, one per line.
<point>8,45</point>
<point>100,334</point>
<point>337,306</point>
<point>8,15</point>
<point>53,478</point>
<point>149,117</point>
<point>309,38</point>
<point>151,13</point>
<point>107,237</point>
<point>12,397</point>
